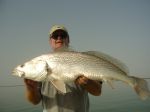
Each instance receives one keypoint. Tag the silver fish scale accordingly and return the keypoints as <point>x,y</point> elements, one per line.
<point>74,64</point>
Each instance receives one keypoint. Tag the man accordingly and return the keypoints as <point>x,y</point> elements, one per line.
<point>76,100</point>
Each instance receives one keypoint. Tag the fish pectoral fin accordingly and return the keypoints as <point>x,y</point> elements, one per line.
<point>59,85</point>
<point>110,82</point>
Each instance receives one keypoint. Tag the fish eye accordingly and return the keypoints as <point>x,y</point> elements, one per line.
<point>22,65</point>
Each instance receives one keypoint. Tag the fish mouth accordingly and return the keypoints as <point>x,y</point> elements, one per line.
<point>18,73</point>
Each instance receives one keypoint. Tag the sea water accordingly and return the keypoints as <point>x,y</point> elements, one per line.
<point>120,99</point>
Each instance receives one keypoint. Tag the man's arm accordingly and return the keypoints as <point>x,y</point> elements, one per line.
<point>92,86</point>
<point>33,91</point>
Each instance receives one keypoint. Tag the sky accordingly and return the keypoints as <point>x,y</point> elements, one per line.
<point>120,28</point>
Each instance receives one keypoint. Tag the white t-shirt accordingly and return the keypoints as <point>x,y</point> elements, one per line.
<point>76,100</point>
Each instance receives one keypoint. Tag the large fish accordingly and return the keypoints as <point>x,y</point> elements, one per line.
<point>62,67</point>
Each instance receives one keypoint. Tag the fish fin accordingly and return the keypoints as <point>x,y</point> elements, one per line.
<point>141,88</point>
<point>111,84</point>
<point>110,59</point>
<point>59,85</point>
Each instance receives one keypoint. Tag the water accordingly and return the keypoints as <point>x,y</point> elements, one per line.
<point>120,99</point>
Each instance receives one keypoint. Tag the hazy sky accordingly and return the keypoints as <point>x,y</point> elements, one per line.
<point>120,28</point>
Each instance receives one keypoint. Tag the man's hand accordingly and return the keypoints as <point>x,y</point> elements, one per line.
<point>81,80</point>
<point>33,91</point>
<point>93,87</point>
<point>31,85</point>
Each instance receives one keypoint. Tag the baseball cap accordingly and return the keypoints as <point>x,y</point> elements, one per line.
<point>55,28</point>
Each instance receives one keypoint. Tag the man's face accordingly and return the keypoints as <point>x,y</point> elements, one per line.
<point>59,39</point>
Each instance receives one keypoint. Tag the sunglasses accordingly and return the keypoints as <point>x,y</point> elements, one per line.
<point>60,35</point>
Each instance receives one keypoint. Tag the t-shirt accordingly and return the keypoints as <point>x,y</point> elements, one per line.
<point>75,100</point>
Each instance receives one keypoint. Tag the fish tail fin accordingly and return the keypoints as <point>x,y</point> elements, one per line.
<point>141,88</point>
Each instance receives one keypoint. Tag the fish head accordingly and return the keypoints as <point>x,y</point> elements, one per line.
<point>35,70</point>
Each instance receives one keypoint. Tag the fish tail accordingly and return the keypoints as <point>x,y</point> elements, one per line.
<point>141,88</point>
